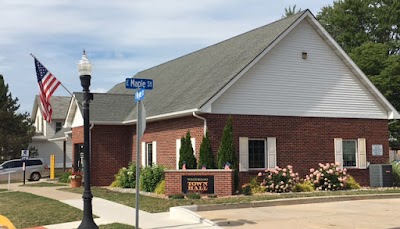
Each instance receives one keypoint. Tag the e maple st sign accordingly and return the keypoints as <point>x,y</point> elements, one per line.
<point>198,184</point>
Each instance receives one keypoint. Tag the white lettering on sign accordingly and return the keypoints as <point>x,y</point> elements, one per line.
<point>138,84</point>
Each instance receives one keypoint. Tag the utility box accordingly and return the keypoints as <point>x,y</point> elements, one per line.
<point>380,175</point>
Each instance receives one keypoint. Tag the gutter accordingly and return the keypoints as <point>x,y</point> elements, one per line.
<point>202,118</point>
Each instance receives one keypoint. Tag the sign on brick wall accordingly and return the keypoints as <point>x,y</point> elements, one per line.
<point>198,184</point>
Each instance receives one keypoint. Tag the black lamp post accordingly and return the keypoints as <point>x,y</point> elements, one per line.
<point>85,70</point>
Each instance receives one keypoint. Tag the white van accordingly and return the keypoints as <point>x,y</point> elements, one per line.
<point>36,168</point>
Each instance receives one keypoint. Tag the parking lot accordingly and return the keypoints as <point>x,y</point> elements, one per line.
<point>363,214</point>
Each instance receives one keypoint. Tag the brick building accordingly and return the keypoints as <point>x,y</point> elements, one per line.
<point>295,97</point>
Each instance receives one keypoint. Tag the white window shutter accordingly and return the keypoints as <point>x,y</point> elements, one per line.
<point>178,147</point>
<point>243,154</point>
<point>362,154</point>
<point>193,142</point>
<point>271,145</point>
<point>143,154</point>
<point>154,149</point>
<point>339,151</point>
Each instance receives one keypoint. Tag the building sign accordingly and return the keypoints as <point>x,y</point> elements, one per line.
<point>377,150</point>
<point>198,184</point>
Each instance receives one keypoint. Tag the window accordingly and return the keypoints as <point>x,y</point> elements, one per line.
<point>257,154</point>
<point>58,126</point>
<point>149,154</point>
<point>34,162</point>
<point>349,153</point>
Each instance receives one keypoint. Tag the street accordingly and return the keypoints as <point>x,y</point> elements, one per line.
<point>363,214</point>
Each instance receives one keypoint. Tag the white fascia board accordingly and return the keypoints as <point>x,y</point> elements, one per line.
<point>207,106</point>
<point>164,116</point>
<point>71,112</point>
<point>392,112</point>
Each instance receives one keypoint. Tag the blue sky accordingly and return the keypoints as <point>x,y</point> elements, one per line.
<point>121,37</point>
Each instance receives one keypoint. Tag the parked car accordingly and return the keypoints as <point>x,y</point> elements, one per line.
<point>36,168</point>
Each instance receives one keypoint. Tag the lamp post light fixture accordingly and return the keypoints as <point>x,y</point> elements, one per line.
<point>85,71</point>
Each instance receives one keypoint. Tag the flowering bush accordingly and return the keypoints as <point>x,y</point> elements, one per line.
<point>279,179</point>
<point>126,177</point>
<point>328,177</point>
<point>75,175</point>
<point>246,189</point>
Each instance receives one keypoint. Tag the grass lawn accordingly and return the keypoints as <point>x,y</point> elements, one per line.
<point>28,210</point>
<point>3,189</point>
<point>116,226</point>
<point>44,184</point>
<point>152,204</point>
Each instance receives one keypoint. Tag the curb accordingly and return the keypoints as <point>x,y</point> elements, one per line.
<point>294,201</point>
<point>188,213</point>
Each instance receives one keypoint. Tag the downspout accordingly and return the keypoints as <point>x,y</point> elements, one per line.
<point>202,118</point>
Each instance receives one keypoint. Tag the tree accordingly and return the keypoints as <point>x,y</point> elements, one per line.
<point>206,156</point>
<point>355,22</point>
<point>16,130</point>
<point>186,153</point>
<point>291,10</point>
<point>226,151</point>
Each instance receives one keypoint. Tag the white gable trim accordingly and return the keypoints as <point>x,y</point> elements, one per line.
<point>207,106</point>
<point>392,112</point>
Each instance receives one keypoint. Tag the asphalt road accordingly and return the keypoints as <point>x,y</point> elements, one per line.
<point>360,214</point>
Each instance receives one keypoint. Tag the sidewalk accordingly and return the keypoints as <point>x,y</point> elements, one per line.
<point>108,211</point>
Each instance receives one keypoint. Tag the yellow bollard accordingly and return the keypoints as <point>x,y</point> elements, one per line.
<point>52,165</point>
<point>6,222</point>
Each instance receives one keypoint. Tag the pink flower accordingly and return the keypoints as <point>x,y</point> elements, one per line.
<point>337,163</point>
<point>269,177</point>
<point>330,171</point>
<point>311,175</point>
<point>284,174</point>
<point>284,170</point>
<point>290,167</point>
<point>260,174</point>
<point>312,170</point>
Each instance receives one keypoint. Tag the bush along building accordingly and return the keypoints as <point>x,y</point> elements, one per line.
<point>295,98</point>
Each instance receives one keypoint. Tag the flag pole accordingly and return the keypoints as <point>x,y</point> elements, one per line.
<point>47,69</point>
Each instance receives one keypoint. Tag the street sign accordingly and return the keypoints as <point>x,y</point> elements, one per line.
<point>139,95</point>
<point>24,154</point>
<point>134,83</point>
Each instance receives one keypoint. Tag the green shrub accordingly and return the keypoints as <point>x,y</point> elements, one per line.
<point>150,177</point>
<point>351,183</point>
<point>396,174</point>
<point>327,177</point>
<point>177,196</point>
<point>212,196</point>
<point>194,196</point>
<point>206,157</point>
<point>246,189</point>
<point>256,186</point>
<point>279,179</point>
<point>186,153</point>
<point>305,186</point>
<point>64,177</point>
<point>126,177</point>
<point>160,189</point>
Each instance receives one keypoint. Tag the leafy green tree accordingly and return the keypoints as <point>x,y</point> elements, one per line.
<point>371,57</point>
<point>186,153</point>
<point>291,10</point>
<point>206,157</point>
<point>355,22</point>
<point>16,130</point>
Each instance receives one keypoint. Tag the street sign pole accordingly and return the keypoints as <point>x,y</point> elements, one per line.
<point>137,164</point>
<point>24,168</point>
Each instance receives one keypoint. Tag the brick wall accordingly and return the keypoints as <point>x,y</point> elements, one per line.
<point>223,180</point>
<point>111,150</point>
<point>304,142</point>
<point>165,134</point>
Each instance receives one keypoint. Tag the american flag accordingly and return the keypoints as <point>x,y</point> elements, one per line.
<point>48,84</point>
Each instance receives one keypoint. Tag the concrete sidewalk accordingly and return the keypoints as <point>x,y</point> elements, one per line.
<point>111,212</point>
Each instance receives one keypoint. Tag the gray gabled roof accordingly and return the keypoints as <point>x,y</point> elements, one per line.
<point>188,82</point>
<point>106,107</point>
<point>59,104</point>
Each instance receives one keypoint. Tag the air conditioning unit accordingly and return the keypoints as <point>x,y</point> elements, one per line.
<point>380,175</point>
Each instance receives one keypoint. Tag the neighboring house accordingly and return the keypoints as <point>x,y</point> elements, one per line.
<point>52,138</point>
<point>295,97</point>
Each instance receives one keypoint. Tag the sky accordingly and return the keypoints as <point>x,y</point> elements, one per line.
<point>121,37</point>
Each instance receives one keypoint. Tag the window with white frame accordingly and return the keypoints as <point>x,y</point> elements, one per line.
<point>58,126</point>
<point>349,153</point>
<point>257,153</point>
<point>149,154</point>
